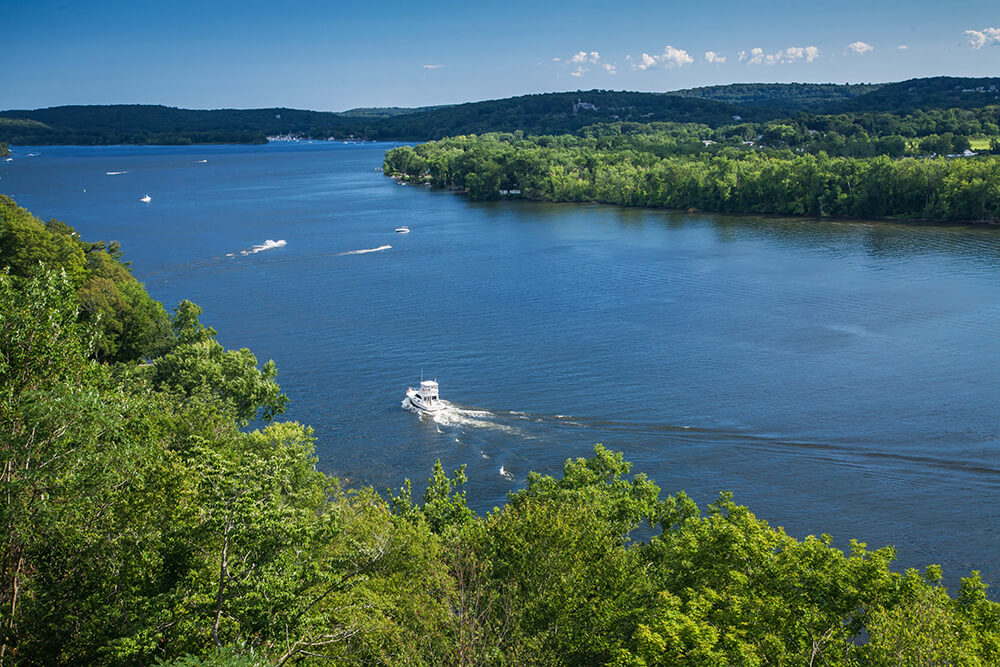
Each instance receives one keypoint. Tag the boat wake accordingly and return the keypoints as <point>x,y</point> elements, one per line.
<point>457,416</point>
<point>266,245</point>
<point>115,173</point>
<point>363,251</point>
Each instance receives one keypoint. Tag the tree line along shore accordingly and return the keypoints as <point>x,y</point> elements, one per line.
<point>777,168</point>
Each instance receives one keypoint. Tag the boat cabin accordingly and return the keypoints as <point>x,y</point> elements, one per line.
<point>429,390</point>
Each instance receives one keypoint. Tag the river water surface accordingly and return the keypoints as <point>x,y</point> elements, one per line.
<point>838,377</point>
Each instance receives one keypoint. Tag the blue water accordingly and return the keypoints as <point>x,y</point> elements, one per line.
<point>838,377</point>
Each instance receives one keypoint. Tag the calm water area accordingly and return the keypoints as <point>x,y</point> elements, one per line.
<point>837,376</point>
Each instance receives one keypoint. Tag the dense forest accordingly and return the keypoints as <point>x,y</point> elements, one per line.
<point>787,96</point>
<point>817,166</point>
<point>549,113</point>
<point>156,511</point>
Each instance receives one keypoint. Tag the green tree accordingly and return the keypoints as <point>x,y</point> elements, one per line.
<point>198,367</point>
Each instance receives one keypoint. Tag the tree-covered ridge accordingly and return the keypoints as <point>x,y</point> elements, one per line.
<point>548,113</point>
<point>786,96</point>
<point>142,525</point>
<point>552,112</point>
<point>676,166</point>
<point>387,112</point>
<point>940,92</point>
<point>147,124</point>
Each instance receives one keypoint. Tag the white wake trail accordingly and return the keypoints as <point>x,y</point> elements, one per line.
<point>261,247</point>
<point>365,250</point>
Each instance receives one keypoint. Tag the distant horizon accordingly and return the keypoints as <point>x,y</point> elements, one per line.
<point>305,54</point>
<point>489,99</point>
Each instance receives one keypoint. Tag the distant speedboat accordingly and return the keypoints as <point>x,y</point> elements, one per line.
<point>424,399</point>
<point>402,230</point>
<point>146,199</point>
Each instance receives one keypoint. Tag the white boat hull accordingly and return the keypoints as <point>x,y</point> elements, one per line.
<point>415,401</point>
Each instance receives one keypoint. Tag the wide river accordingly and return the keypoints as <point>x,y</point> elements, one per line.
<point>838,377</point>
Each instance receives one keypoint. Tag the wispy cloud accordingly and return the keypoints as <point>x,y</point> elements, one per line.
<point>669,59</point>
<point>756,56</point>
<point>980,38</point>
<point>860,48</point>
<point>433,66</point>
<point>902,47</point>
<point>713,57</point>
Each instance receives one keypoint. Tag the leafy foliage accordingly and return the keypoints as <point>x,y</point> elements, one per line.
<point>196,366</point>
<point>671,166</point>
<point>130,325</point>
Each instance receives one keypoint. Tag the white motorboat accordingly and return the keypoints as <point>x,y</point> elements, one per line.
<point>146,199</point>
<point>424,399</point>
<point>402,230</point>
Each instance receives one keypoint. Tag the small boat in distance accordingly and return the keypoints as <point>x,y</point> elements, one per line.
<point>424,399</point>
<point>403,230</point>
<point>146,199</point>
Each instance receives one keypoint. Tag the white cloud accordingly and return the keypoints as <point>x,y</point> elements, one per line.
<point>433,66</point>
<point>713,57</point>
<point>581,61</point>
<point>756,56</point>
<point>860,48</point>
<point>980,38</point>
<point>669,59</point>
<point>584,57</point>
<point>902,47</point>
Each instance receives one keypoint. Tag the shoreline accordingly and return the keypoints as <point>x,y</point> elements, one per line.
<point>916,222</point>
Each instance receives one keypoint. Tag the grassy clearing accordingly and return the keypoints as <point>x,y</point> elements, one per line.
<point>980,143</point>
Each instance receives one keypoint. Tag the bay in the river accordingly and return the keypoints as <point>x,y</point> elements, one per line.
<point>838,377</point>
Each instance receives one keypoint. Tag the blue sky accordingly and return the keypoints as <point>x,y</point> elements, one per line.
<point>337,55</point>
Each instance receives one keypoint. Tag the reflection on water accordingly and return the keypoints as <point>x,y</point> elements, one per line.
<point>838,376</point>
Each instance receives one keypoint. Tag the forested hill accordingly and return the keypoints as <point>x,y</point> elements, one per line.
<point>155,124</point>
<point>556,113</point>
<point>545,113</point>
<point>941,92</point>
<point>783,96</point>
<point>548,113</point>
